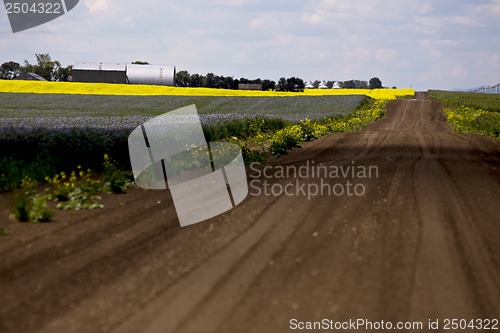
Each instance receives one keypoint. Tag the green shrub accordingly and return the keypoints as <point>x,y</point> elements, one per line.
<point>466,119</point>
<point>78,190</point>
<point>242,128</point>
<point>249,155</point>
<point>21,207</point>
<point>115,181</point>
<point>29,206</point>
<point>307,130</point>
<point>488,123</point>
<point>79,199</point>
<point>286,139</point>
<point>39,211</point>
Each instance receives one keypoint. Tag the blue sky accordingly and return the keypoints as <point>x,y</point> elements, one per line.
<point>441,44</point>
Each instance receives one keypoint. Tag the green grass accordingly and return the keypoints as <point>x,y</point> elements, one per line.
<point>486,102</point>
<point>471,112</point>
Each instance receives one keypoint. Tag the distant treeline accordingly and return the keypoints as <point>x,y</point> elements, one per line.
<point>184,79</point>
<point>52,70</point>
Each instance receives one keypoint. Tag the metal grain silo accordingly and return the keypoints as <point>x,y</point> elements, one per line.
<point>163,75</point>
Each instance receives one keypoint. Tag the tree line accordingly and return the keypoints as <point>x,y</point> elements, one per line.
<point>374,83</point>
<point>52,70</point>
<point>184,79</point>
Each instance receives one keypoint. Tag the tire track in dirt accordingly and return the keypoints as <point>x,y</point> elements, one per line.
<point>437,249</point>
<point>74,259</point>
<point>422,243</point>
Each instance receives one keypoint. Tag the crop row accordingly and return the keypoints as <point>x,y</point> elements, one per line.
<point>466,119</point>
<point>290,108</point>
<point>486,102</point>
<point>471,112</point>
<point>9,86</point>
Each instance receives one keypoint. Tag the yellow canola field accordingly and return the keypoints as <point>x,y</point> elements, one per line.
<point>77,88</point>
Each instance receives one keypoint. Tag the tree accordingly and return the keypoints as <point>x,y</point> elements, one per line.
<point>182,79</point>
<point>63,73</point>
<point>210,81</point>
<point>27,67</point>
<point>361,84</point>
<point>229,83</point>
<point>197,80</point>
<point>348,84</point>
<point>295,84</point>
<point>268,85</point>
<point>375,83</point>
<point>45,67</point>
<point>290,84</point>
<point>10,70</point>
<point>282,84</point>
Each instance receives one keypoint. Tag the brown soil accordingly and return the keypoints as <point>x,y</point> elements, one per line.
<point>422,243</point>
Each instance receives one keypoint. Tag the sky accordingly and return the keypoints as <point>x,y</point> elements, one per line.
<point>439,44</point>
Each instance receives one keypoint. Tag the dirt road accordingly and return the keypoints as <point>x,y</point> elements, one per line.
<point>421,242</point>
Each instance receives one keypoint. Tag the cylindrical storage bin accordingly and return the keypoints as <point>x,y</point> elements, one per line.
<point>162,75</point>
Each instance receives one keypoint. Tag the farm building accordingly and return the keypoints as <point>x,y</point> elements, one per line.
<point>99,72</point>
<point>29,76</point>
<point>309,85</point>
<point>250,86</point>
<point>124,73</point>
<point>336,85</point>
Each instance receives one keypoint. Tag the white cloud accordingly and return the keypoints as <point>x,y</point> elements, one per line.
<point>460,72</point>
<point>493,7</point>
<point>264,22</point>
<point>445,44</point>
<point>327,11</point>
<point>3,43</point>
<point>97,5</point>
<point>313,18</point>
<point>386,55</point>
<point>463,20</point>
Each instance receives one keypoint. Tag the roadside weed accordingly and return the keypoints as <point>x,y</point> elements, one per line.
<point>30,206</point>
<point>115,181</point>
